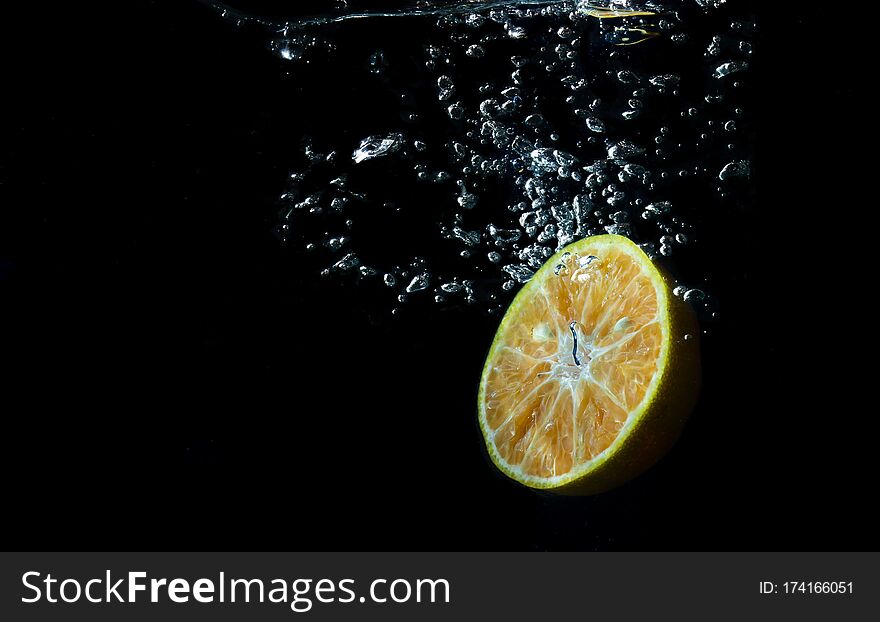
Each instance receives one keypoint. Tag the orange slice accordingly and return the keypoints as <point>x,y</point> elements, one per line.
<point>592,372</point>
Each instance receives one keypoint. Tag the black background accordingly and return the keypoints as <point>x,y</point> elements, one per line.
<point>174,378</point>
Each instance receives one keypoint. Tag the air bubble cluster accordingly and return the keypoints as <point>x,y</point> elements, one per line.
<point>534,125</point>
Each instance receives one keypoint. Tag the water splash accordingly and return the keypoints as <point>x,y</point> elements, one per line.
<point>535,127</point>
<point>343,14</point>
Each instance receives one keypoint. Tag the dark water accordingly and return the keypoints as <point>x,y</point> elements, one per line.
<point>184,375</point>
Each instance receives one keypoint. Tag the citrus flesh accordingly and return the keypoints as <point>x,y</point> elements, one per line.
<point>592,372</point>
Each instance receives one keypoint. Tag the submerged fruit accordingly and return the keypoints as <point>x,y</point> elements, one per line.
<point>592,372</point>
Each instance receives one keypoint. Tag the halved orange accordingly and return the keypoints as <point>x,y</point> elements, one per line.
<point>592,372</point>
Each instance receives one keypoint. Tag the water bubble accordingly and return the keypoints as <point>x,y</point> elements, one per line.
<point>624,149</point>
<point>504,236</point>
<point>490,108</point>
<point>725,69</point>
<point>446,88</point>
<point>627,77</point>
<point>737,168</point>
<point>694,295</point>
<point>347,263</point>
<point>476,51</point>
<point>714,48</point>
<point>619,229</point>
<point>519,272</point>
<point>543,160</point>
<point>455,111</point>
<point>616,198</point>
<point>563,158</point>
<point>535,255</point>
<point>470,238</point>
<point>665,80</point>
<point>467,200</point>
<point>527,219</point>
<point>515,32</point>
<point>594,124</point>
<point>377,146</point>
<point>547,234</point>
<point>335,243</point>
<point>419,282</point>
<point>511,93</point>
<point>563,213</point>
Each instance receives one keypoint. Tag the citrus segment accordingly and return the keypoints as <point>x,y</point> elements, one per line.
<point>592,371</point>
